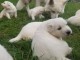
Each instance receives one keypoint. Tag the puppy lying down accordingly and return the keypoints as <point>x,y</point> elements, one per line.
<point>9,10</point>
<point>27,32</point>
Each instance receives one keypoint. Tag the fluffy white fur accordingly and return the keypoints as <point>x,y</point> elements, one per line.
<point>47,42</point>
<point>78,13</point>
<point>4,55</point>
<point>27,32</point>
<point>55,7</point>
<point>75,20</point>
<point>37,11</point>
<point>9,10</point>
<point>21,4</point>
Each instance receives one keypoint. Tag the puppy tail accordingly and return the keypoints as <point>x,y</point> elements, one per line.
<point>20,5</point>
<point>16,39</point>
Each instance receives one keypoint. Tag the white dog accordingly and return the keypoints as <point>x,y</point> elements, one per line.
<point>55,7</point>
<point>47,43</point>
<point>4,55</point>
<point>75,20</point>
<point>9,10</point>
<point>37,11</point>
<point>27,32</point>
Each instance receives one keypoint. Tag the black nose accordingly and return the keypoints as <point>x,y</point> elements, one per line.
<point>68,32</point>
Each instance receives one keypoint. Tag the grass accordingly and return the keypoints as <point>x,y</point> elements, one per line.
<point>22,49</point>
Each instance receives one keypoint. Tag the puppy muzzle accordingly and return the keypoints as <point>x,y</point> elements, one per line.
<point>68,32</point>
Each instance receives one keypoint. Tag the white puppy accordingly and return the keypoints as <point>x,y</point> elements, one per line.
<point>27,32</point>
<point>9,10</point>
<point>55,7</point>
<point>47,43</point>
<point>37,11</point>
<point>75,20</point>
<point>4,55</point>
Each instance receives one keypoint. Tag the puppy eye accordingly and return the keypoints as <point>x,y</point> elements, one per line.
<point>59,28</point>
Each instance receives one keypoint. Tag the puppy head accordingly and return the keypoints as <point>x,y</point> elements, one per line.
<point>7,5</point>
<point>57,6</point>
<point>58,27</point>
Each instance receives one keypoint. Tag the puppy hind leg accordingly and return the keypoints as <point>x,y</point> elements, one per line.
<point>70,50</point>
<point>54,15</point>
<point>16,39</point>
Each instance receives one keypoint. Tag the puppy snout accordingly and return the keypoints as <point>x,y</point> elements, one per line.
<point>68,32</point>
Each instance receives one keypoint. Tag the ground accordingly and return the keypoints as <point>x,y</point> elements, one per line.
<point>22,49</point>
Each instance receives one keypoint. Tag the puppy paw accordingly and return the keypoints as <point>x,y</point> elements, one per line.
<point>41,16</point>
<point>70,49</point>
<point>11,40</point>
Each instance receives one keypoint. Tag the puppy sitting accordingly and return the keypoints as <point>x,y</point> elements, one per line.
<point>37,11</point>
<point>47,43</point>
<point>9,10</point>
<point>4,55</point>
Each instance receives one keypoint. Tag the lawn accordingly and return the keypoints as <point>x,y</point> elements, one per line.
<point>22,49</point>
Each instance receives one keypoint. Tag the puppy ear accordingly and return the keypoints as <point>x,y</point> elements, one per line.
<point>51,2</point>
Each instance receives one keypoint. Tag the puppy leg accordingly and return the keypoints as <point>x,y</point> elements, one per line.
<point>1,14</point>
<point>41,16</point>
<point>33,17</point>
<point>15,14</point>
<point>70,50</point>
<point>7,15</point>
<point>54,15</point>
<point>16,39</point>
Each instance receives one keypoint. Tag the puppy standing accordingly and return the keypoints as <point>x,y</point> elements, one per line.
<point>37,11</point>
<point>4,55</point>
<point>9,10</point>
<point>47,43</point>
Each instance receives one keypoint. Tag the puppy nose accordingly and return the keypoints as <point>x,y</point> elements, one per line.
<point>68,32</point>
